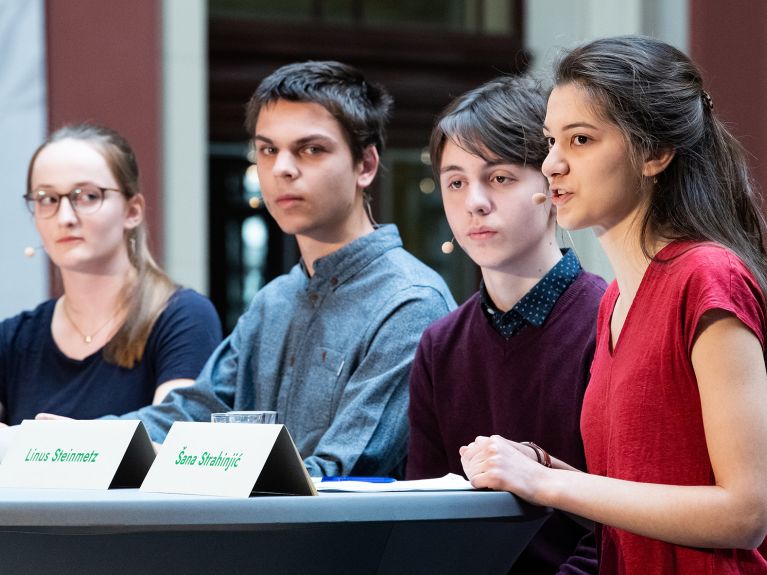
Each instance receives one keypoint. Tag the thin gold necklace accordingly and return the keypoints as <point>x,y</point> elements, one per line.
<point>86,338</point>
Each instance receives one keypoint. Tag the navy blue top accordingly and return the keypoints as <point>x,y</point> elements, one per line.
<point>36,376</point>
<point>536,305</point>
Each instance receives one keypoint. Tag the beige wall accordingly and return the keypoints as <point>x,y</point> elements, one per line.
<point>185,141</point>
<point>22,128</point>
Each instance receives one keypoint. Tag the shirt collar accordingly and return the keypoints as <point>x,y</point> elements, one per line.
<point>340,265</point>
<point>536,305</point>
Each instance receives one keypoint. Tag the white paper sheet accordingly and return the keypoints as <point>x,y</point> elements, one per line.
<point>450,482</point>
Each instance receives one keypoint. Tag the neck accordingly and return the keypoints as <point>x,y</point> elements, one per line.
<point>623,247</point>
<point>94,296</point>
<point>315,246</point>
<point>508,285</point>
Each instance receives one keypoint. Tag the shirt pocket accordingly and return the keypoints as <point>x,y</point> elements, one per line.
<point>323,382</point>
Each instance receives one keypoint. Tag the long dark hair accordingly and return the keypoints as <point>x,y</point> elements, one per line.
<point>654,93</point>
<point>146,298</point>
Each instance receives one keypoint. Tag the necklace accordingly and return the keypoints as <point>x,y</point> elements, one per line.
<point>86,338</point>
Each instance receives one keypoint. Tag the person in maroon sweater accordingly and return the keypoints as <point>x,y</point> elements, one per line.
<point>514,359</point>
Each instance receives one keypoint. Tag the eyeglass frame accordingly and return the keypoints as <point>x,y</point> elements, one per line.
<point>33,203</point>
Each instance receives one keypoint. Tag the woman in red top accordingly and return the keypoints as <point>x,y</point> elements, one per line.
<point>674,419</point>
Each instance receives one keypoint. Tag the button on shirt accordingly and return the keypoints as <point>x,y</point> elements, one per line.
<point>535,305</point>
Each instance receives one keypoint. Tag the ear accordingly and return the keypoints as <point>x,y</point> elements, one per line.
<point>134,212</point>
<point>368,167</point>
<point>658,162</point>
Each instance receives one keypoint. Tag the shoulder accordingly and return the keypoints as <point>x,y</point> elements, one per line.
<point>400,271</point>
<point>455,322</point>
<point>188,299</point>
<point>39,316</point>
<point>591,283</point>
<point>699,277</point>
<point>278,292</point>
<point>288,283</point>
<point>188,309</point>
<point>186,302</point>
<point>704,267</point>
<point>28,328</point>
<point>583,296</point>
<point>687,257</point>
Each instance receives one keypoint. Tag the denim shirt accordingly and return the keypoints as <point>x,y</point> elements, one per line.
<point>330,353</point>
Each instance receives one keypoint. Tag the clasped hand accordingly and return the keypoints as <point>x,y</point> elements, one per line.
<point>497,463</point>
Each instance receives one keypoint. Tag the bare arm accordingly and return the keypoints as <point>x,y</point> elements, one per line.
<point>164,388</point>
<point>730,370</point>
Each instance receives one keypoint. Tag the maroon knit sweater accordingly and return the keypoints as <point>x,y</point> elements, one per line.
<point>468,380</point>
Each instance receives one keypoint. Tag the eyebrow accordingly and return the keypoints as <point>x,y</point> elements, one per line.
<point>574,125</point>
<point>74,186</point>
<point>300,142</point>
<point>493,164</point>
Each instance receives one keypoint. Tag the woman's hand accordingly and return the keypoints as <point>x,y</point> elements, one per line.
<point>51,416</point>
<point>497,463</point>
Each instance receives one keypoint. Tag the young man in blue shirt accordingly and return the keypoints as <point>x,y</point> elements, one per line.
<point>328,345</point>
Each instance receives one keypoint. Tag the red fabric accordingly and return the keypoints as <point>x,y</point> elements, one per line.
<point>641,418</point>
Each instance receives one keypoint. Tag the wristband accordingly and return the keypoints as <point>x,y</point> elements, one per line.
<point>540,454</point>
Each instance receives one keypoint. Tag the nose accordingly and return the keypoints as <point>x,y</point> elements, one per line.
<point>554,164</point>
<point>285,165</point>
<point>477,200</point>
<point>66,215</point>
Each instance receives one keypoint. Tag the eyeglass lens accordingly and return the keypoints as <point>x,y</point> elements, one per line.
<point>84,199</point>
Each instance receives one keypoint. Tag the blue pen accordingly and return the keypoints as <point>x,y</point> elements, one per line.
<point>358,478</point>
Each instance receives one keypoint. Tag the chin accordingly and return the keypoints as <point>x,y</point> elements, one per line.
<point>488,261</point>
<point>571,223</point>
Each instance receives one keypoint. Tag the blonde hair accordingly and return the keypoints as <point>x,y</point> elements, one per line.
<point>147,296</point>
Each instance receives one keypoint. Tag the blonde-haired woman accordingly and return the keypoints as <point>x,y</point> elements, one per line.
<point>123,334</point>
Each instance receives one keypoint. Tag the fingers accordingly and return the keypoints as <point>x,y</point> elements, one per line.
<point>51,416</point>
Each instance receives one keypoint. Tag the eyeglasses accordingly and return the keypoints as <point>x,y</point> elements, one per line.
<point>84,199</point>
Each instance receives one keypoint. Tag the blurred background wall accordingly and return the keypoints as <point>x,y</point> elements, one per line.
<point>174,76</point>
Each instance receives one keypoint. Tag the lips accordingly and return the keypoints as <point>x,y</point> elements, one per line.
<point>69,240</point>
<point>288,201</point>
<point>481,233</point>
<point>560,196</point>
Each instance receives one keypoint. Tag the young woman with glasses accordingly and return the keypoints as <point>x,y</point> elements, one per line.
<point>122,334</point>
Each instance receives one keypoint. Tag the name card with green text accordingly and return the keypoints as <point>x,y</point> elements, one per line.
<point>229,460</point>
<point>77,455</point>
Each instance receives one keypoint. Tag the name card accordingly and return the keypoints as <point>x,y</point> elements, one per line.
<point>77,455</point>
<point>229,460</point>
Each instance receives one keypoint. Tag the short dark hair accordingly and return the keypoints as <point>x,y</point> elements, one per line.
<point>361,107</point>
<point>502,118</point>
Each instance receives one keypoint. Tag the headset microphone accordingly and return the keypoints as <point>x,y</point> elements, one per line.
<point>539,198</point>
<point>30,251</point>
